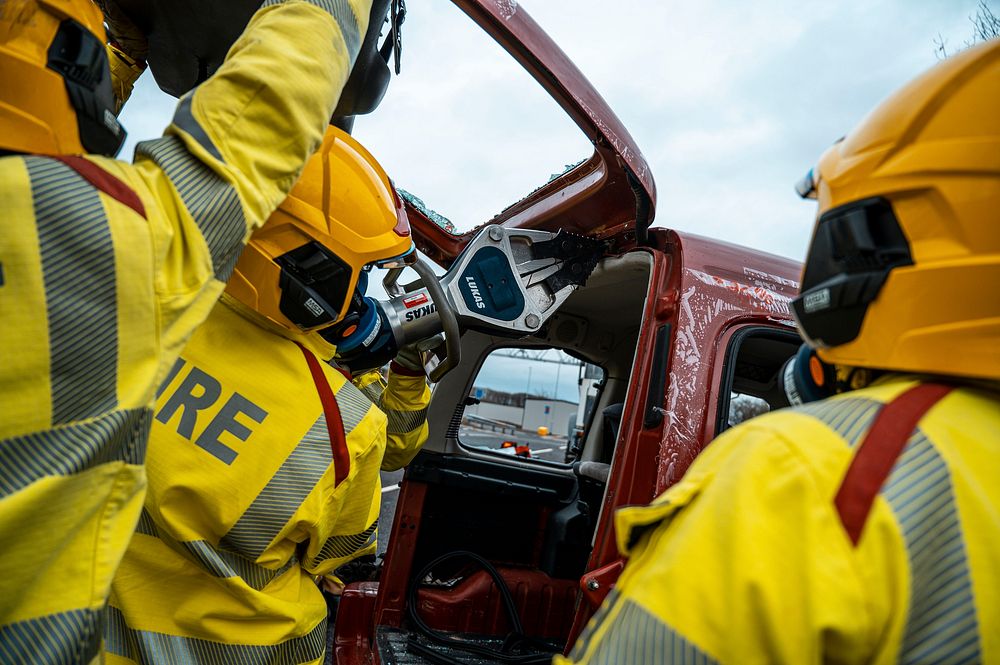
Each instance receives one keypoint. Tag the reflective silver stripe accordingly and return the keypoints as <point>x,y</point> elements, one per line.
<point>184,118</point>
<point>66,637</point>
<point>78,266</point>
<point>374,391</point>
<point>401,422</point>
<point>148,647</point>
<point>116,436</point>
<point>146,526</point>
<point>398,421</point>
<point>212,202</point>
<point>215,562</point>
<point>942,624</point>
<point>354,406</point>
<point>637,637</point>
<point>283,494</point>
<point>293,481</point>
<point>583,641</point>
<point>850,417</point>
<point>231,564</point>
<point>342,13</point>
<point>339,547</point>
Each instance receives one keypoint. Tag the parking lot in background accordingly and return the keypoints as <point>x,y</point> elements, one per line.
<point>550,448</point>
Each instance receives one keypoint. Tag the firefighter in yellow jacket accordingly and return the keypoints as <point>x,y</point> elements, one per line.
<point>107,267</point>
<point>865,527</point>
<point>264,460</point>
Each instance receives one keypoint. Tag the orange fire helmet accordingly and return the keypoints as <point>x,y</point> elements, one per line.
<point>305,268</point>
<point>904,264</point>
<point>56,96</point>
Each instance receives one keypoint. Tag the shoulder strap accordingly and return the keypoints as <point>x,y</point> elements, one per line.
<point>103,181</point>
<point>877,454</point>
<point>334,423</point>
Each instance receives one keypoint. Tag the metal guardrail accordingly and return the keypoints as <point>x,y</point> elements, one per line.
<point>494,425</point>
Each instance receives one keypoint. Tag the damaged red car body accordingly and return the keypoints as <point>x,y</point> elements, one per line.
<point>681,325</point>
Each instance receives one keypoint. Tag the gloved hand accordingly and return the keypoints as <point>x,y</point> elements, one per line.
<point>123,33</point>
<point>411,356</point>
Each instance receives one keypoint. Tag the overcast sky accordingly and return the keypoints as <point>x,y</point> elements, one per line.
<point>731,102</point>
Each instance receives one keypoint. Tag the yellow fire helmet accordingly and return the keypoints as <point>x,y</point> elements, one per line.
<point>903,271</point>
<point>56,96</point>
<point>305,268</point>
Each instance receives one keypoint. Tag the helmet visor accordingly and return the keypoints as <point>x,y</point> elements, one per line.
<point>407,258</point>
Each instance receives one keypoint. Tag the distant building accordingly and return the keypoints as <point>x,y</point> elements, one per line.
<point>551,413</point>
<point>528,412</point>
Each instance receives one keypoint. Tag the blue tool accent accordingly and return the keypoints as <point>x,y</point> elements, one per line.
<point>490,287</point>
<point>805,384</point>
<point>367,322</point>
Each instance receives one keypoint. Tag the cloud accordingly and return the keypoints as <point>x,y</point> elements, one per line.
<point>731,102</point>
<point>519,375</point>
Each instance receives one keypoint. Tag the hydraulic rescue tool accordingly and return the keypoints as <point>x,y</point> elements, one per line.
<point>507,282</point>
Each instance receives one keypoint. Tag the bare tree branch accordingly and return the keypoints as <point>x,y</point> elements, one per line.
<point>940,47</point>
<point>985,26</point>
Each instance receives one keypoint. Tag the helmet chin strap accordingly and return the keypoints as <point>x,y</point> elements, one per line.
<point>394,42</point>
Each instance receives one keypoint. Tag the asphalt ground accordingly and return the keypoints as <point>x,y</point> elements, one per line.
<point>551,448</point>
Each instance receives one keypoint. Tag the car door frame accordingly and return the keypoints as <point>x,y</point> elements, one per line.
<point>605,195</point>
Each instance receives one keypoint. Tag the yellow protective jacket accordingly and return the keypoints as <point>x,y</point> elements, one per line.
<point>403,399</point>
<point>248,503</point>
<point>747,559</point>
<point>105,270</point>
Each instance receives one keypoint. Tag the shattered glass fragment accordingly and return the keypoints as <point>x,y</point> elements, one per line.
<point>435,217</point>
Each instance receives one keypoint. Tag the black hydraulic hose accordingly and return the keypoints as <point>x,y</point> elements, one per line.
<point>514,639</point>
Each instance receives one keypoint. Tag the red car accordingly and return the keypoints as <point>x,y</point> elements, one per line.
<point>689,335</point>
<point>498,558</point>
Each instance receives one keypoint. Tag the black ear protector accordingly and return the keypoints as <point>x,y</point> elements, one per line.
<point>80,58</point>
<point>313,283</point>
<point>806,378</point>
<point>854,249</point>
